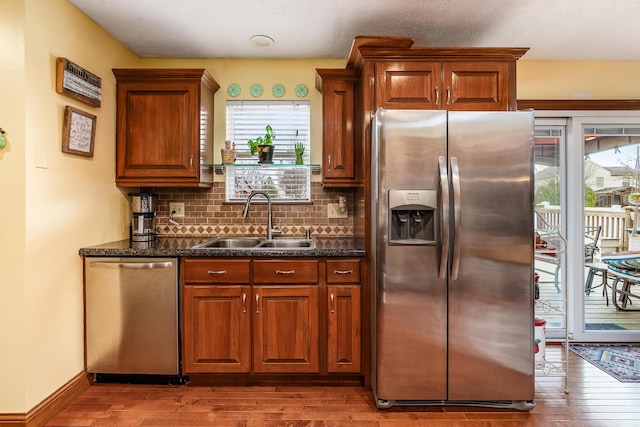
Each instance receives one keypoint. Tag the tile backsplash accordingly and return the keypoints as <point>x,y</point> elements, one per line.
<point>207,214</point>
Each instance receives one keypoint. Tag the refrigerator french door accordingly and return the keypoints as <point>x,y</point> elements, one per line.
<point>452,244</point>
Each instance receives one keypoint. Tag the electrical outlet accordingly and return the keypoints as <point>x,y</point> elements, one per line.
<point>178,208</point>
<point>333,211</point>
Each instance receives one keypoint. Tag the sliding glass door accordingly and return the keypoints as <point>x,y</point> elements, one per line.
<point>610,306</point>
<point>587,178</point>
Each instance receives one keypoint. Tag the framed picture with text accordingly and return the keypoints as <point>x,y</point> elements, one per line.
<point>78,132</point>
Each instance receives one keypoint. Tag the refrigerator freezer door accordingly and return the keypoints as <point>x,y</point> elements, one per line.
<point>410,298</point>
<point>491,301</point>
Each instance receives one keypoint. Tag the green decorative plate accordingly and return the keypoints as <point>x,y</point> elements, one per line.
<point>278,90</point>
<point>255,90</point>
<point>233,89</point>
<point>301,90</point>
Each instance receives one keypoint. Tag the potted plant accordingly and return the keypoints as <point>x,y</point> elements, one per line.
<point>263,145</point>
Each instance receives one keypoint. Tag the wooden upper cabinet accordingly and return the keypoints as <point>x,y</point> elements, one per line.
<point>408,85</point>
<point>164,128</point>
<point>338,138</point>
<point>452,85</point>
<point>477,86</point>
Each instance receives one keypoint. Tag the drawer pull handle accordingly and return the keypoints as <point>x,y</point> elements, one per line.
<point>448,95</point>
<point>244,302</point>
<point>257,303</point>
<point>332,307</point>
<point>219,272</point>
<point>342,271</point>
<point>437,96</point>
<point>285,272</point>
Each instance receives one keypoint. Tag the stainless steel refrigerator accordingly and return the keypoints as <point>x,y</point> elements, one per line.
<point>452,247</point>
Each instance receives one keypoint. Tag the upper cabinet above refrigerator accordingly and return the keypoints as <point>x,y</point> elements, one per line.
<point>452,85</point>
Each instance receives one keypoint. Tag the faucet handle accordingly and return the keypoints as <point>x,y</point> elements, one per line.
<point>276,231</point>
<point>307,233</point>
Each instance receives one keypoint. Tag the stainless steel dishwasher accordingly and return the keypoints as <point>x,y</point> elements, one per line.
<point>131,315</point>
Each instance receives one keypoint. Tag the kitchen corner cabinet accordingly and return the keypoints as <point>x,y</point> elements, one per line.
<point>339,167</point>
<point>452,85</point>
<point>164,127</point>
<point>266,316</point>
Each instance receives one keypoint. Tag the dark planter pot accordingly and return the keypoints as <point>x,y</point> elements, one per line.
<point>265,153</point>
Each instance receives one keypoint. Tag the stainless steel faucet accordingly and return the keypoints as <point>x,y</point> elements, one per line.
<point>245,212</point>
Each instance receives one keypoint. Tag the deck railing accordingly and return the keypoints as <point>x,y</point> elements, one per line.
<point>614,224</point>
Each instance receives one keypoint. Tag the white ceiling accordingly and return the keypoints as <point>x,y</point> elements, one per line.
<point>552,29</point>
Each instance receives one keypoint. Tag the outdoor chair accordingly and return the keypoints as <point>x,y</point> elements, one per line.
<point>596,269</point>
<point>592,237</point>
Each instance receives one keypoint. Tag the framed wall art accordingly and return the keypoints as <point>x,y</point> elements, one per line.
<point>78,132</point>
<point>74,81</point>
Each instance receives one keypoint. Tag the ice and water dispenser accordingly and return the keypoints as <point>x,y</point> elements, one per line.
<point>412,217</point>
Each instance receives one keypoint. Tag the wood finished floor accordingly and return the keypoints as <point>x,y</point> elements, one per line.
<point>594,399</point>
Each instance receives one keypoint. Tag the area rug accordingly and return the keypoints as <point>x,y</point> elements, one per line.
<point>621,361</point>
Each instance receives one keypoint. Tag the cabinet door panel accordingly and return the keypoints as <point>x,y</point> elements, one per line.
<point>343,347</point>
<point>338,106</point>
<point>475,86</point>
<point>411,85</point>
<point>216,329</point>
<point>286,329</point>
<point>157,140</point>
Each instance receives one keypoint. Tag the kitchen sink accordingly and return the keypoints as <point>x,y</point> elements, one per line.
<point>256,243</point>
<point>288,244</point>
<point>230,243</point>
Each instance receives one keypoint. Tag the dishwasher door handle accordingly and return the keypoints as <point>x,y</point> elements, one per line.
<point>131,265</point>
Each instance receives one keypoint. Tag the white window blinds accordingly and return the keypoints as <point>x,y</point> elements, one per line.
<point>283,180</point>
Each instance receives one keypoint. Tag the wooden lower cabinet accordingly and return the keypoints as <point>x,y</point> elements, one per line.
<point>343,331</point>
<point>216,329</point>
<point>269,316</point>
<point>286,329</point>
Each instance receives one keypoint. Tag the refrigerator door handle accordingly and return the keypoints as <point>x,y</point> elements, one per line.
<point>444,185</point>
<point>455,184</point>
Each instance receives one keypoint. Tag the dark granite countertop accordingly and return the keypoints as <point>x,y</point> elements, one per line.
<point>182,247</point>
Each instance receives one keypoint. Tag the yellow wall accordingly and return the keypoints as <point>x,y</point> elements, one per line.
<point>74,203</point>
<point>12,193</point>
<point>578,79</point>
<point>70,204</point>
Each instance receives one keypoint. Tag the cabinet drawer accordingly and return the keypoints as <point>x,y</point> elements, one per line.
<point>216,271</point>
<point>343,271</point>
<point>276,271</point>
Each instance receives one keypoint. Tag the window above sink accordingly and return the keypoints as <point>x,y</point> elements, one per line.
<point>283,179</point>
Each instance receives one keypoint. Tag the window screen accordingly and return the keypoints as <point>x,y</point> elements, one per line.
<point>282,180</point>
